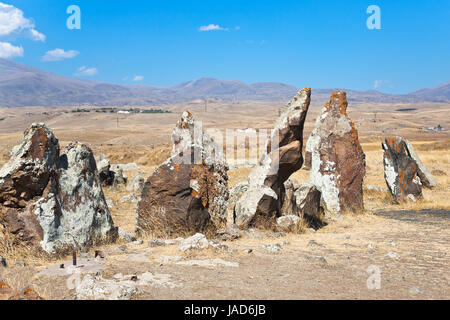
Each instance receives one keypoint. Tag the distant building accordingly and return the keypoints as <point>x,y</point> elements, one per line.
<point>438,128</point>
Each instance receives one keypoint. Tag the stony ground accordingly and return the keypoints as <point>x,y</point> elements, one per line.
<point>408,244</point>
<point>409,248</point>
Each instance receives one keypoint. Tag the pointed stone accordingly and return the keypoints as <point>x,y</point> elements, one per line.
<point>262,202</point>
<point>401,172</point>
<point>337,160</point>
<point>426,178</point>
<point>188,192</point>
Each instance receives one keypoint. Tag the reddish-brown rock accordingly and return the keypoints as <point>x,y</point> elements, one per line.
<point>189,192</point>
<point>401,172</point>
<point>337,159</point>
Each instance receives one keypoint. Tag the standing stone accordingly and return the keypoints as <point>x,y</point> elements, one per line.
<point>51,201</point>
<point>289,206</point>
<point>84,214</point>
<point>426,178</point>
<point>262,202</point>
<point>30,173</point>
<point>188,192</point>
<point>136,184</point>
<point>308,205</point>
<point>337,160</point>
<point>104,172</point>
<point>401,172</point>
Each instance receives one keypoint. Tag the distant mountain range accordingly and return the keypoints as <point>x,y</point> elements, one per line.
<point>22,85</point>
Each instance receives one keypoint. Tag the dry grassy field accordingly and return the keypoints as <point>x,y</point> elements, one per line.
<point>407,242</point>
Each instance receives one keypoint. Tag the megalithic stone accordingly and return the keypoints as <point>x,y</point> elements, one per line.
<point>337,161</point>
<point>262,202</point>
<point>189,191</point>
<point>400,170</point>
<point>52,201</point>
<point>426,178</point>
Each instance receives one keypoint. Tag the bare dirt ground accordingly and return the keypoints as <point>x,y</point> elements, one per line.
<point>408,244</point>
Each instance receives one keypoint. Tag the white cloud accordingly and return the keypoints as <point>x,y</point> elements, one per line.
<point>212,27</point>
<point>59,54</point>
<point>138,78</point>
<point>377,84</point>
<point>7,50</point>
<point>12,20</point>
<point>382,83</point>
<point>37,36</point>
<point>86,72</point>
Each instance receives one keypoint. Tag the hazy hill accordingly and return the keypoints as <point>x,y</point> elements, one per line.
<point>22,85</point>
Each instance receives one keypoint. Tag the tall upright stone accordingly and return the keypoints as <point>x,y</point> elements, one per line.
<point>189,191</point>
<point>282,156</point>
<point>337,160</point>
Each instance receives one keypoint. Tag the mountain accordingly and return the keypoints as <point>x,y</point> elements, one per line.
<point>22,85</point>
<point>440,93</point>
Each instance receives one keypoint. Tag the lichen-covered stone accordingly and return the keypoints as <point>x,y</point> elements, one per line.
<point>80,213</point>
<point>188,192</point>
<point>136,184</point>
<point>289,206</point>
<point>52,201</point>
<point>426,178</point>
<point>336,158</point>
<point>308,205</point>
<point>262,202</point>
<point>401,172</point>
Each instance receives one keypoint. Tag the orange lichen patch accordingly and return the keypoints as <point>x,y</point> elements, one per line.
<point>200,174</point>
<point>5,290</point>
<point>341,98</point>
<point>26,294</point>
<point>306,89</point>
<point>184,124</point>
<point>355,137</point>
<point>394,144</point>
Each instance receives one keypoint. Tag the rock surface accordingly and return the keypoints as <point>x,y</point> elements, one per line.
<point>289,205</point>
<point>286,222</point>
<point>308,205</point>
<point>401,171</point>
<point>136,184</point>
<point>190,190</point>
<point>98,288</point>
<point>336,158</point>
<point>197,241</point>
<point>52,201</point>
<point>426,178</point>
<point>263,200</point>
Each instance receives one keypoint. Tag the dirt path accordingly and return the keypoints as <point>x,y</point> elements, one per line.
<point>410,249</point>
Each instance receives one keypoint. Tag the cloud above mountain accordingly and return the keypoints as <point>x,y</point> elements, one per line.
<point>59,54</point>
<point>86,72</point>
<point>7,50</point>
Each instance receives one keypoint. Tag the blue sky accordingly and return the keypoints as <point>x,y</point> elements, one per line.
<point>322,44</point>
